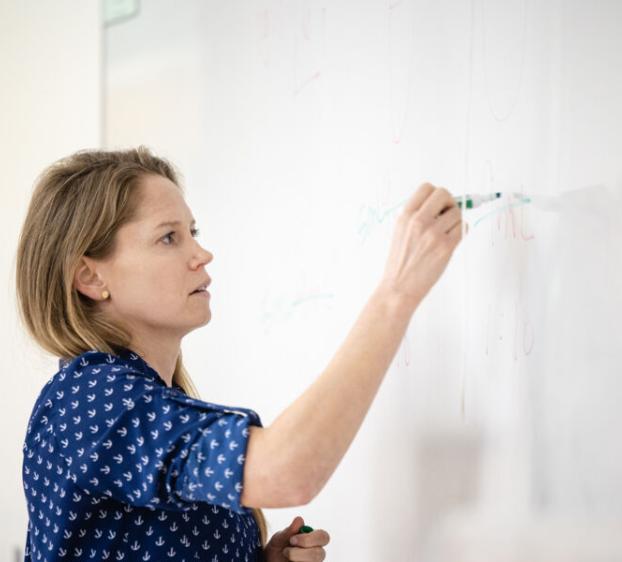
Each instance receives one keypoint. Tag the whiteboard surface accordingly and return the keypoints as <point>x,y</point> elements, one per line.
<point>300,129</point>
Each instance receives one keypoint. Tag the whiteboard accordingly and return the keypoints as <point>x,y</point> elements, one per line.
<point>300,129</point>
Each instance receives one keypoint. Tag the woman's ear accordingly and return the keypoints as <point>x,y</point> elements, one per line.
<point>86,280</point>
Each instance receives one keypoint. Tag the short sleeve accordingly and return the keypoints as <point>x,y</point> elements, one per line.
<point>145,444</point>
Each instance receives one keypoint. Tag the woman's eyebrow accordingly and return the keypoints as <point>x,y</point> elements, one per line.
<point>173,223</point>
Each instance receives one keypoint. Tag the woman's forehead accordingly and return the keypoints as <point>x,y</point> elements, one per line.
<point>162,202</point>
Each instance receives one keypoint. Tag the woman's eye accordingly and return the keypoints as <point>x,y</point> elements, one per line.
<point>195,232</point>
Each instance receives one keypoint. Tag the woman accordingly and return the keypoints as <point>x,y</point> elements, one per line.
<point>122,460</point>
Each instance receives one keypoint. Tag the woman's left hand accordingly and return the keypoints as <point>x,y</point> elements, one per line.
<point>308,549</point>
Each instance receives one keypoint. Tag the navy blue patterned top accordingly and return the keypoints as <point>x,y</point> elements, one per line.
<point>118,466</point>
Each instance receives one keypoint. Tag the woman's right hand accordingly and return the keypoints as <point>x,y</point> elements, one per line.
<point>426,234</point>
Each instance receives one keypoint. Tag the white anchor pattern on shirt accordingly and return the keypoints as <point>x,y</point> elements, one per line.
<point>117,466</point>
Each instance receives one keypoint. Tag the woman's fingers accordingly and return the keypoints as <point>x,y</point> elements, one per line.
<point>417,199</point>
<point>456,231</point>
<point>319,537</point>
<point>314,554</point>
<point>448,219</point>
<point>439,201</point>
<point>309,547</point>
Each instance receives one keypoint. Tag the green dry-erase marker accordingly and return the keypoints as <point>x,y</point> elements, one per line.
<point>305,529</point>
<point>472,201</point>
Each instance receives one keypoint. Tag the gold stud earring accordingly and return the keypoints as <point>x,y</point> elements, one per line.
<point>105,295</point>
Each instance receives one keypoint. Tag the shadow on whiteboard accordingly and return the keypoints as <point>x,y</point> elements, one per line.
<point>537,539</point>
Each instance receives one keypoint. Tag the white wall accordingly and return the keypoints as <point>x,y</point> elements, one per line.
<point>50,105</point>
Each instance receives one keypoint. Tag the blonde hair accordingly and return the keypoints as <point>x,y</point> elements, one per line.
<point>78,204</point>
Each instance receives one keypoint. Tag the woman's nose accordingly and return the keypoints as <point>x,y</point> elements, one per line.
<point>201,254</point>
